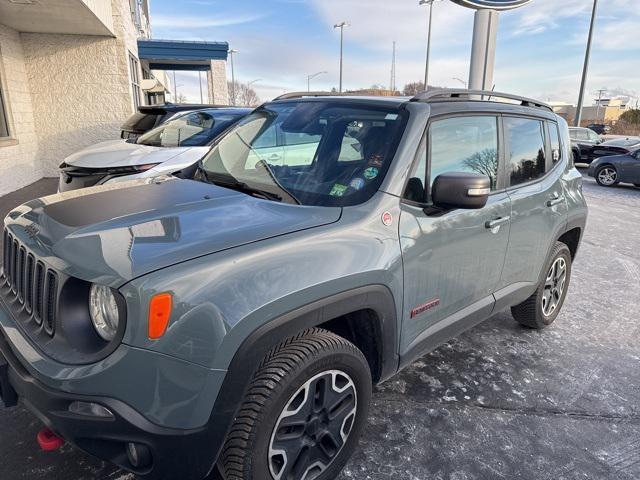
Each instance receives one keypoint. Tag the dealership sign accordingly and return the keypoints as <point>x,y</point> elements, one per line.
<point>492,4</point>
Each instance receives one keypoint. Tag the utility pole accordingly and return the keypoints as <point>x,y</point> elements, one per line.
<point>600,92</point>
<point>341,26</point>
<point>585,70</point>
<point>392,83</point>
<point>426,67</point>
<point>232,52</point>
<point>311,77</point>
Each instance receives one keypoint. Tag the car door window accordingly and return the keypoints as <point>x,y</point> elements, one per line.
<point>593,136</point>
<point>554,140</point>
<point>464,144</point>
<point>527,157</point>
<point>582,135</point>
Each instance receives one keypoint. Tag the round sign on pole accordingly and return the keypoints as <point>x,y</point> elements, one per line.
<point>491,4</point>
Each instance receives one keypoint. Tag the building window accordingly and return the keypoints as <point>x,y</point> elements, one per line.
<point>135,80</point>
<point>4,123</point>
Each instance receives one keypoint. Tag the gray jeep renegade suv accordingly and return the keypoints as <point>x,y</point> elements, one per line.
<point>237,314</point>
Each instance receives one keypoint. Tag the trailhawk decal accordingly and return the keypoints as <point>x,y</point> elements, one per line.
<point>425,307</point>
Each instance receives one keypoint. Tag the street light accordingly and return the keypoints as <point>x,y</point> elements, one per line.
<point>233,77</point>
<point>585,69</point>
<point>311,77</point>
<point>461,81</point>
<point>426,68</point>
<point>253,81</point>
<point>341,26</point>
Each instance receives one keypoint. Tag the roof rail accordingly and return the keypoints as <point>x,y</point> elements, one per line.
<point>290,95</point>
<point>457,93</point>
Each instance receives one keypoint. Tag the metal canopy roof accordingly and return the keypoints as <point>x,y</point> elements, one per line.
<point>181,55</point>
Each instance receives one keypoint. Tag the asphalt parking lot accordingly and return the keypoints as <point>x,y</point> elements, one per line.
<point>500,402</point>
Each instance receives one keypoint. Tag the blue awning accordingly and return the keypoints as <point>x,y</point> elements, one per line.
<point>181,55</point>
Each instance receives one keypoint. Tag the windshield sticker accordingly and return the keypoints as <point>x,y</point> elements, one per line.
<point>357,183</point>
<point>376,161</point>
<point>338,190</point>
<point>391,116</point>
<point>371,173</point>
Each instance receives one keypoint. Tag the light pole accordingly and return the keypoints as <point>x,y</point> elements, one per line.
<point>311,77</point>
<point>426,68</point>
<point>341,26</point>
<point>461,81</point>
<point>232,52</point>
<point>585,69</point>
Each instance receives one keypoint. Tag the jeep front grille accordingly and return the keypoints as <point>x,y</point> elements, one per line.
<point>34,286</point>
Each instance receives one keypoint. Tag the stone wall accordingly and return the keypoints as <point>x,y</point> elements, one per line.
<point>19,163</point>
<point>217,83</point>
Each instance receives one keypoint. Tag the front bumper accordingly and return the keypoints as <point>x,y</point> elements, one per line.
<point>175,453</point>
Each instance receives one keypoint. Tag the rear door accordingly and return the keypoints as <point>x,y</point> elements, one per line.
<point>535,161</point>
<point>630,168</point>
<point>452,259</point>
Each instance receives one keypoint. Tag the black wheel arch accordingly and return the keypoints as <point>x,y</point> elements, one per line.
<point>375,299</point>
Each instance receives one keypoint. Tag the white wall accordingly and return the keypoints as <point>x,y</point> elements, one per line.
<point>217,83</point>
<point>19,163</point>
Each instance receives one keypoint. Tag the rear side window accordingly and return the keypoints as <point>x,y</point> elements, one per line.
<point>465,144</point>
<point>527,158</point>
<point>554,140</point>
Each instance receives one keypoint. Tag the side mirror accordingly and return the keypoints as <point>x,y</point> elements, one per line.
<point>461,190</point>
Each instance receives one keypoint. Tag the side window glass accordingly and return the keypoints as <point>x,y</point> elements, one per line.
<point>573,135</point>
<point>527,157</point>
<point>593,136</point>
<point>583,135</point>
<point>554,139</point>
<point>465,144</point>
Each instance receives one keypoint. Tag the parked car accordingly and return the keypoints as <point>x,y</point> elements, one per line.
<point>239,313</point>
<point>149,117</point>
<point>611,170</point>
<point>599,128</point>
<point>176,144</point>
<point>583,141</point>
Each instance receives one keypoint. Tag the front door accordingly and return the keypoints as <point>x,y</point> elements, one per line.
<point>452,260</point>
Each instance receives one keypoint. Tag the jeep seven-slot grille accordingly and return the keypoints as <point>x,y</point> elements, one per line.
<point>32,284</point>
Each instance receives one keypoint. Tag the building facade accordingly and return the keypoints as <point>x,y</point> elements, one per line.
<point>604,111</point>
<point>70,74</point>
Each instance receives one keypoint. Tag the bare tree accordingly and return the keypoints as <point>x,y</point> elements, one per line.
<point>182,98</point>
<point>484,162</point>
<point>413,88</point>
<point>244,95</point>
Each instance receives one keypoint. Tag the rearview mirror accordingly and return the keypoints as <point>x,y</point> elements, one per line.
<point>461,190</point>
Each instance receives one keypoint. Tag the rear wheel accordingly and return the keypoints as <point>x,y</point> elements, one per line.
<point>607,176</point>
<point>543,307</point>
<point>303,412</point>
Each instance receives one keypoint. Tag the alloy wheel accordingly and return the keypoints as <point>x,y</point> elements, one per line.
<point>554,286</point>
<point>608,176</point>
<point>313,427</point>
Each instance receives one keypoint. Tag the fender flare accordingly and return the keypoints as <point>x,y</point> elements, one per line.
<point>254,348</point>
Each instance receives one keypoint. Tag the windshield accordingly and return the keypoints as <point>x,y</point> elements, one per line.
<point>193,129</point>
<point>323,153</point>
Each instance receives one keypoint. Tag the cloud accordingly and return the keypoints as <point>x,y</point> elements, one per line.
<point>192,22</point>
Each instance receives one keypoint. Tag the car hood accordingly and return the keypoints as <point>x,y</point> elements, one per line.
<point>113,234</point>
<point>119,153</point>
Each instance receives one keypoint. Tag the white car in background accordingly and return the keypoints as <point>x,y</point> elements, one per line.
<point>175,145</point>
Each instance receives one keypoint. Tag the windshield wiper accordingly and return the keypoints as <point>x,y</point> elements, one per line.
<point>243,187</point>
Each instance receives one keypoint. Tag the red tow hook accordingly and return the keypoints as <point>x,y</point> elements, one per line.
<point>48,440</point>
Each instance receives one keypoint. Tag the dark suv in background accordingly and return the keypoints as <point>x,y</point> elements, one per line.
<point>149,117</point>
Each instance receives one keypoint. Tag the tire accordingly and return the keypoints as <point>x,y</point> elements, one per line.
<point>542,308</point>
<point>280,393</point>
<point>577,158</point>
<point>607,176</point>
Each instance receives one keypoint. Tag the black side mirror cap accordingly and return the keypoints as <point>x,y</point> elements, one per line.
<point>461,190</point>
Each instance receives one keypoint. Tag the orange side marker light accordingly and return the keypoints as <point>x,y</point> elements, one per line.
<point>159,314</point>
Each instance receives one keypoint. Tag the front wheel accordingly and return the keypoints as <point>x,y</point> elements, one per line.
<point>607,176</point>
<point>303,412</point>
<point>543,307</point>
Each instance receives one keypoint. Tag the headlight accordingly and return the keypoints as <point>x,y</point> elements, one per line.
<point>104,311</point>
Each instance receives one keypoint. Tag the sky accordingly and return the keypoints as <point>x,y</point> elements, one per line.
<point>540,49</point>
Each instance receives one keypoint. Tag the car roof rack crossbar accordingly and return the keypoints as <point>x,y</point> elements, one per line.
<point>453,93</point>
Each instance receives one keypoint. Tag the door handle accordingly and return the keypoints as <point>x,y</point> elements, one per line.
<point>555,201</point>
<point>491,224</point>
